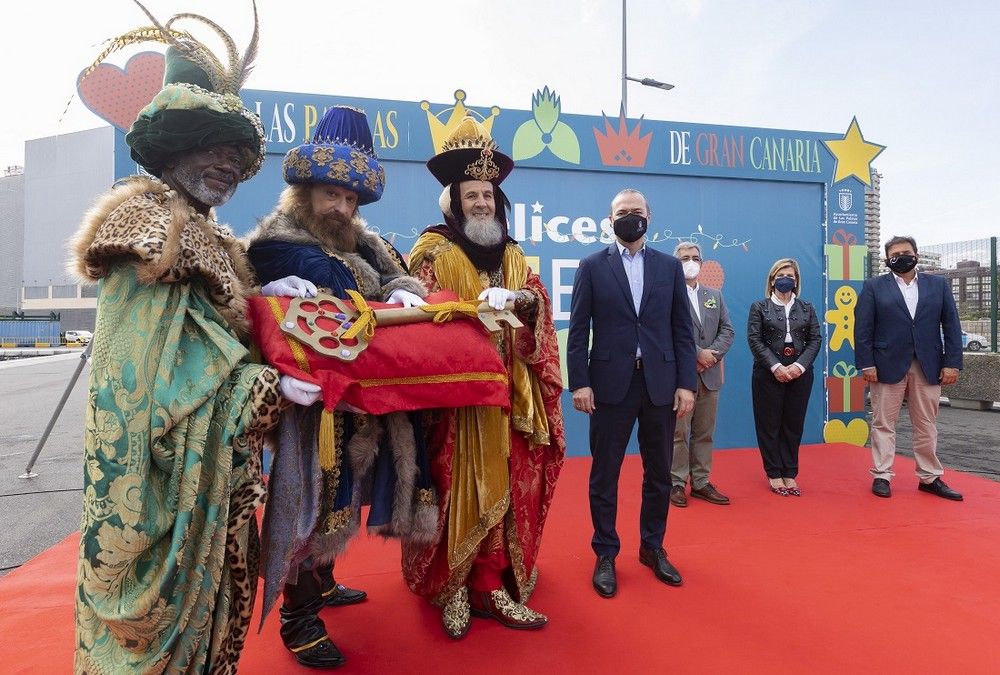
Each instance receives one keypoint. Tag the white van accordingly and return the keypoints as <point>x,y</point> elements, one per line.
<point>81,336</point>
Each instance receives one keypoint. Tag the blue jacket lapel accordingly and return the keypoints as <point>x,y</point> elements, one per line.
<point>618,271</point>
<point>897,294</point>
<point>648,274</point>
<point>923,291</point>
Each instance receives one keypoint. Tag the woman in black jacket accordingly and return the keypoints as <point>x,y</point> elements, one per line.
<point>784,337</point>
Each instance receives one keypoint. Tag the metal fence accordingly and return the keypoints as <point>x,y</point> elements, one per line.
<point>971,268</point>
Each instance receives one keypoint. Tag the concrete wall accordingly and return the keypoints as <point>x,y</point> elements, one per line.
<point>11,241</point>
<point>63,175</point>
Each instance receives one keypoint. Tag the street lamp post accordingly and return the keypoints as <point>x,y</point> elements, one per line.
<point>645,81</point>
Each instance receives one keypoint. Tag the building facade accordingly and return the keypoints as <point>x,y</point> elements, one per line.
<point>873,227</point>
<point>971,285</point>
<point>11,238</point>
<point>63,175</point>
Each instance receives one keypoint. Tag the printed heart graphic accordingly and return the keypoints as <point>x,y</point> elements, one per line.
<point>117,95</point>
<point>855,432</point>
<point>712,274</point>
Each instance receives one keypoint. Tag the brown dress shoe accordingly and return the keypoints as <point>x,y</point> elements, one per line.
<point>500,606</point>
<point>677,497</point>
<point>710,494</point>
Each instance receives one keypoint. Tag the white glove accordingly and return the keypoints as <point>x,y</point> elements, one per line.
<point>496,297</point>
<point>297,391</point>
<point>291,287</point>
<point>405,298</point>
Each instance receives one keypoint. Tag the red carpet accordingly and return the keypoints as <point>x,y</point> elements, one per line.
<point>835,581</point>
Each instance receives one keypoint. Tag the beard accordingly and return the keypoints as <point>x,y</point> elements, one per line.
<point>484,230</point>
<point>194,184</point>
<point>334,230</point>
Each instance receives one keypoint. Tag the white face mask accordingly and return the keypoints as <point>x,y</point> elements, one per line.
<point>691,269</point>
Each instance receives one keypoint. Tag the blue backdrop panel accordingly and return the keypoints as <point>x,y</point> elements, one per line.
<point>747,195</point>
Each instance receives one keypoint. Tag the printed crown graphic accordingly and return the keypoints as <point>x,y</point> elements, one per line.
<point>442,130</point>
<point>622,147</point>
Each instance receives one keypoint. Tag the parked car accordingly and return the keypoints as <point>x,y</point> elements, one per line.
<point>82,336</point>
<point>973,342</point>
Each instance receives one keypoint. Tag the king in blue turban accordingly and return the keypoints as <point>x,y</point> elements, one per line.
<point>319,479</point>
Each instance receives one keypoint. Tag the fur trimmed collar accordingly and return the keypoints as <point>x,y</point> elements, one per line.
<point>377,268</point>
<point>281,226</point>
<point>143,222</point>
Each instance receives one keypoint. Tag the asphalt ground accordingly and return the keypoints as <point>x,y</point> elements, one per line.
<point>42,511</point>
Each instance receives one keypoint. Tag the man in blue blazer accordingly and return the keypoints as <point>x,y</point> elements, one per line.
<point>641,366</point>
<point>908,342</point>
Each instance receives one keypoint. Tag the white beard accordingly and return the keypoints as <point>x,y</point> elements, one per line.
<point>484,230</point>
<point>195,186</point>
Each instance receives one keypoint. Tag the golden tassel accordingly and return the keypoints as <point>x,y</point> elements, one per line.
<point>327,440</point>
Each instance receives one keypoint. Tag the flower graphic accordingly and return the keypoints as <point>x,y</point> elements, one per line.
<point>545,130</point>
<point>711,303</point>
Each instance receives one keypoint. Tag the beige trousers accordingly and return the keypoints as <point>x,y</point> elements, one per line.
<point>694,457</point>
<point>922,399</point>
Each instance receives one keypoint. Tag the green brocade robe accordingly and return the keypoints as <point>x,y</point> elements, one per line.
<point>167,415</point>
<point>174,428</point>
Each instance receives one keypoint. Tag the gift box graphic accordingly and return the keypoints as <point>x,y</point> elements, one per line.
<point>845,259</point>
<point>846,389</point>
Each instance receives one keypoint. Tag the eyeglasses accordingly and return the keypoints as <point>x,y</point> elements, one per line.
<point>685,258</point>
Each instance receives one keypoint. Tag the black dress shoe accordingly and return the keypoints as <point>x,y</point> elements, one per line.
<point>939,488</point>
<point>880,488</point>
<point>334,594</point>
<point>322,655</point>
<point>605,581</point>
<point>657,560</point>
<point>339,595</point>
<point>302,631</point>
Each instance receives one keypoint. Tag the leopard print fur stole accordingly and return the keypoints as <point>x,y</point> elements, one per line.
<point>144,222</point>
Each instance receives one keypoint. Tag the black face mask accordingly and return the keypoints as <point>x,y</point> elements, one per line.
<point>901,264</point>
<point>630,227</point>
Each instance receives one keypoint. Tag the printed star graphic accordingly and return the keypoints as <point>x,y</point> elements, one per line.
<point>536,207</point>
<point>853,155</point>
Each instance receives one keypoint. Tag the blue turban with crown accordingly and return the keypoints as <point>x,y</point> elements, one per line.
<point>340,153</point>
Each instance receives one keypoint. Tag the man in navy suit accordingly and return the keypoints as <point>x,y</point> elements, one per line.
<point>900,321</point>
<point>641,366</point>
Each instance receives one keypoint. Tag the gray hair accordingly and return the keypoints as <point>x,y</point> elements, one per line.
<point>686,244</point>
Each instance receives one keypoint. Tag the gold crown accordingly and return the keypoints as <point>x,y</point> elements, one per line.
<point>443,131</point>
<point>468,133</point>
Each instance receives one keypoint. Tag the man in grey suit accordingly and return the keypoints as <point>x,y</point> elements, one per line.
<point>713,335</point>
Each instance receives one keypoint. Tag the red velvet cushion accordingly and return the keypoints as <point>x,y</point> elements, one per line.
<point>405,367</point>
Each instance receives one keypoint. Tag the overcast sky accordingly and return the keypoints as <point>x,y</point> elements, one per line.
<point>922,77</point>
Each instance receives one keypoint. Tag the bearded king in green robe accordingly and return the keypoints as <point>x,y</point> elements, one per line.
<point>176,411</point>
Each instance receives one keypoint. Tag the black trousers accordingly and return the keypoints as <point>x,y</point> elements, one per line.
<point>610,429</point>
<point>779,413</point>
